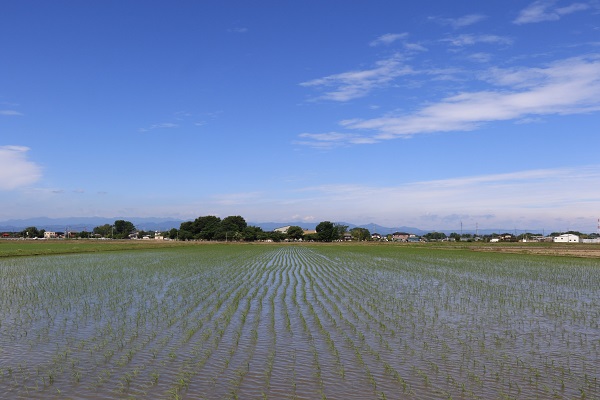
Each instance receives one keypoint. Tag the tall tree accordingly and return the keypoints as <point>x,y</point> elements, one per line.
<point>30,232</point>
<point>327,231</point>
<point>103,230</point>
<point>234,223</point>
<point>341,230</point>
<point>295,232</point>
<point>360,234</point>
<point>123,228</point>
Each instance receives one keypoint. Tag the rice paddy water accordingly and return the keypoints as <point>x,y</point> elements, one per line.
<point>299,322</point>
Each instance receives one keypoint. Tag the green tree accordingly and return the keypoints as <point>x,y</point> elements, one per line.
<point>206,228</point>
<point>30,232</point>
<point>295,233</point>
<point>455,236</point>
<point>341,230</point>
<point>327,231</point>
<point>435,236</point>
<point>172,234</point>
<point>203,228</point>
<point>103,230</point>
<point>252,233</point>
<point>233,223</point>
<point>123,229</point>
<point>360,234</point>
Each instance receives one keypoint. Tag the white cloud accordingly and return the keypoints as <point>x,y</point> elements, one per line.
<point>544,10</point>
<point>354,84</point>
<point>500,199</point>
<point>470,39</point>
<point>388,38</point>
<point>565,87</point>
<point>165,125</point>
<point>460,22</point>
<point>414,47</point>
<point>332,139</point>
<point>17,171</point>
<point>10,113</point>
<point>480,57</point>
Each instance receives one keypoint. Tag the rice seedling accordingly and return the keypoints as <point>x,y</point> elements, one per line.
<point>198,322</point>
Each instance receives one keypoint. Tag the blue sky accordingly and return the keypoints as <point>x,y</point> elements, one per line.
<point>425,114</point>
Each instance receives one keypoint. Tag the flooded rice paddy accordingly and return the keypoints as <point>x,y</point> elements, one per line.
<point>336,322</point>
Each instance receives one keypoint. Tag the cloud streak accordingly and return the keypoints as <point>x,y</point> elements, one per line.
<point>564,87</point>
<point>354,84</point>
<point>501,199</point>
<point>460,22</point>
<point>544,10</point>
<point>470,40</point>
<point>388,38</point>
<point>10,113</point>
<point>17,171</point>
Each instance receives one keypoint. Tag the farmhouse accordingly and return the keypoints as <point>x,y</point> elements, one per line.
<point>283,229</point>
<point>566,238</point>
<point>49,235</point>
<point>400,236</point>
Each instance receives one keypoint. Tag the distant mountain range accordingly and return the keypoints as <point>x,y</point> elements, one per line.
<point>77,224</point>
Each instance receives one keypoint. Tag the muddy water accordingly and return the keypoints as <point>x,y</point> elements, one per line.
<point>298,322</point>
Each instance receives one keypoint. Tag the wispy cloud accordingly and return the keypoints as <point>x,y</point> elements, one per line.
<point>460,22</point>
<point>545,10</point>
<point>10,113</point>
<point>388,38</point>
<point>470,39</point>
<point>165,125</point>
<point>480,57</point>
<point>354,84</point>
<point>568,86</point>
<point>332,139</point>
<point>544,194</point>
<point>17,171</point>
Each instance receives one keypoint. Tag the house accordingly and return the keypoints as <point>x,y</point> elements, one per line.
<point>283,229</point>
<point>376,236</point>
<point>400,236</point>
<point>347,236</point>
<point>594,240</point>
<point>49,235</point>
<point>566,238</point>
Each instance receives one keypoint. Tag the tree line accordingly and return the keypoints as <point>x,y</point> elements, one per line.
<point>235,228</point>
<point>212,228</point>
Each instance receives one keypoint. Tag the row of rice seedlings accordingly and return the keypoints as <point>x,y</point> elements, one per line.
<point>582,341</point>
<point>360,348</point>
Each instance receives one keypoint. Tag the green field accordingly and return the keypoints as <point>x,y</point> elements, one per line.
<point>298,321</point>
<point>12,248</point>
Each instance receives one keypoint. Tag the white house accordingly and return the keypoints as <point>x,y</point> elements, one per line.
<point>49,235</point>
<point>283,229</point>
<point>566,238</point>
